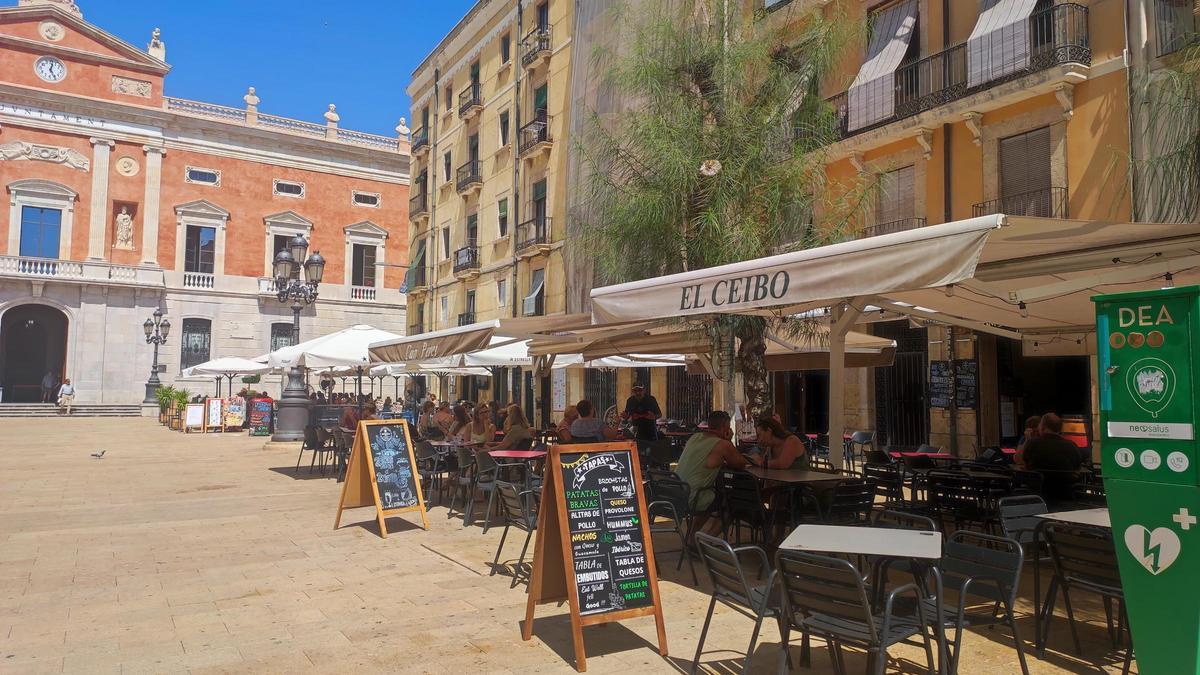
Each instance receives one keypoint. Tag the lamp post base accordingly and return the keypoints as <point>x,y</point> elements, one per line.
<point>292,410</point>
<point>152,386</point>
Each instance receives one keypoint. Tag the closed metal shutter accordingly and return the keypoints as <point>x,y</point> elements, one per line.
<point>897,196</point>
<point>1025,174</point>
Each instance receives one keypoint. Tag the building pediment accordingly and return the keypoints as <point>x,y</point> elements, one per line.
<point>203,209</point>
<point>366,229</point>
<point>105,46</point>
<point>289,218</point>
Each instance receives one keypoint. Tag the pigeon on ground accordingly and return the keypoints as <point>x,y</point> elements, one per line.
<point>99,455</point>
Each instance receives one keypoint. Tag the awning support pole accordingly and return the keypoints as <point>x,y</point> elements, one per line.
<point>843,317</point>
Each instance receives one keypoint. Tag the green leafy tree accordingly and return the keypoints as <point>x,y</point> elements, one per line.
<point>717,156</point>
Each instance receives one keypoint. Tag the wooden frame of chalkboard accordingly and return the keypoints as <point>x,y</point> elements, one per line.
<point>208,414</point>
<point>188,424</point>
<point>362,487</point>
<point>555,575</point>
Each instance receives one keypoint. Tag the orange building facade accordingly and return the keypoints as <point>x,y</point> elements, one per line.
<point>123,200</point>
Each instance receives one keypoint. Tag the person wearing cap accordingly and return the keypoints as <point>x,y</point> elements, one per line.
<point>643,410</point>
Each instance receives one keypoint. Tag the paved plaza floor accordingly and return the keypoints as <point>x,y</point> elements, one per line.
<point>209,554</point>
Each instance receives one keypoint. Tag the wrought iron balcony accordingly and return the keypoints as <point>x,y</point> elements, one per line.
<point>416,329</point>
<point>1047,203</point>
<point>466,318</point>
<point>420,142</point>
<point>470,100</point>
<point>533,233</point>
<point>469,177</point>
<point>894,226</point>
<point>466,259</point>
<point>418,205</point>
<point>535,46</point>
<point>535,135</point>
<point>1054,36</point>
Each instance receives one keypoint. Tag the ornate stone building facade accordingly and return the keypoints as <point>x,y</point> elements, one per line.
<point>123,200</point>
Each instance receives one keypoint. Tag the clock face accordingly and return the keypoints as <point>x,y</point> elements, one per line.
<point>50,69</point>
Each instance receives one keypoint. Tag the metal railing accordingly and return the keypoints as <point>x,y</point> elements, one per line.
<point>287,125</point>
<point>534,44</point>
<point>418,205</point>
<point>1046,203</point>
<point>533,133</point>
<point>894,226</point>
<point>78,271</point>
<point>466,258</point>
<point>420,140</point>
<point>197,280</point>
<point>470,98</point>
<point>1054,36</point>
<point>468,175</point>
<point>466,318</point>
<point>533,232</point>
<point>364,293</point>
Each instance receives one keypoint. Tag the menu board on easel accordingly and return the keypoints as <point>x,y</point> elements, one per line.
<point>193,417</point>
<point>214,412</point>
<point>593,544</point>
<point>235,412</point>
<point>260,416</point>
<point>382,472</point>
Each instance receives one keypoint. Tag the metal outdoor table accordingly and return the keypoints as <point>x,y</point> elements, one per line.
<point>791,475</point>
<point>523,456</point>
<point>1091,517</point>
<point>882,541</point>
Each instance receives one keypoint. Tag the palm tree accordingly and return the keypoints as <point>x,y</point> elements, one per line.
<point>717,158</point>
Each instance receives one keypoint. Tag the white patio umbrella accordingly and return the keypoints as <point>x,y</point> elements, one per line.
<point>228,367</point>
<point>338,351</point>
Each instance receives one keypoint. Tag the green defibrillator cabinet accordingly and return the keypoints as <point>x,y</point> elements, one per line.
<point>1147,384</point>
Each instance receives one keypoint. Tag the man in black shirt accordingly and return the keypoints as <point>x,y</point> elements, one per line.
<point>644,412</point>
<point>1054,456</point>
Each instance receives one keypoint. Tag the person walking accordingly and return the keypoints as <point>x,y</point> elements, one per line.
<point>66,395</point>
<point>49,384</point>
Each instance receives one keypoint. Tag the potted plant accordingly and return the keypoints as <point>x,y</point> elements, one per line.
<point>180,398</point>
<point>163,395</point>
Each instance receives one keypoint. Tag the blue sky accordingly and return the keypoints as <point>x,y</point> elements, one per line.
<point>300,55</point>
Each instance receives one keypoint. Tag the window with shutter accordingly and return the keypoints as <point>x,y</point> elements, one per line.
<point>1025,188</point>
<point>897,196</point>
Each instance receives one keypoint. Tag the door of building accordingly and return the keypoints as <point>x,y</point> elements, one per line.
<point>33,341</point>
<point>901,391</point>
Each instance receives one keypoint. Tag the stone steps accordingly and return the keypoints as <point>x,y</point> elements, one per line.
<point>11,410</point>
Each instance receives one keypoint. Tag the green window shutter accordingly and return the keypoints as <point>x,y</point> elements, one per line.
<point>539,190</point>
<point>503,208</point>
<point>539,98</point>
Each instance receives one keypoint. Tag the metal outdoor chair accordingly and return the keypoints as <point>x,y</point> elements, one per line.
<point>889,483</point>
<point>732,589</point>
<point>856,447</point>
<point>1019,520</point>
<point>984,573</point>
<point>742,503</point>
<point>312,444</point>
<point>1027,482</point>
<point>518,509</point>
<point>430,466</point>
<point>1084,558</point>
<point>826,597</point>
<point>671,499</point>
<point>659,453</point>
<point>952,498</point>
<point>485,480</point>
<point>464,478</point>
<point>850,502</point>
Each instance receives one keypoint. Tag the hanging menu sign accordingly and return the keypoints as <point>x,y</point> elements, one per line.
<point>965,378</point>
<point>593,544</point>
<point>382,473</point>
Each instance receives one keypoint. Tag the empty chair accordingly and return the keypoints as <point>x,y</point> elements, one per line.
<point>889,482</point>
<point>517,509</point>
<point>1018,517</point>
<point>856,447</point>
<point>850,502</point>
<point>430,466</point>
<point>485,479</point>
<point>878,457</point>
<point>463,480</point>
<point>671,499</point>
<point>1027,482</point>
<point>953,498</point>
<point>732,588</point>
<point>826,597</point>
<point>312,444</point>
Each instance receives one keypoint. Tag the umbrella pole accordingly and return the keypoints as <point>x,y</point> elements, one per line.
<point>360,391</point>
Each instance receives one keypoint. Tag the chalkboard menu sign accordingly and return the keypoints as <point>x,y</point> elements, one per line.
<point>966,392</point>
<point>382,473</point>
<point>260,416</point>
<point>593,544</point>
<point>394,476</point>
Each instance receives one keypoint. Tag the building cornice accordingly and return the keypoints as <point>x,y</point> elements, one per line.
<point>37,47</point>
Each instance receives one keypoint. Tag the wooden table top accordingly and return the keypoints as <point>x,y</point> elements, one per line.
<point>791,475</point>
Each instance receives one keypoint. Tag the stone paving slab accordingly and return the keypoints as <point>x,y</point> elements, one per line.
<point>208,554</point>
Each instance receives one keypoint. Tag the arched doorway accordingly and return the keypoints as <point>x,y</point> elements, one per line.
<point>33,340</point>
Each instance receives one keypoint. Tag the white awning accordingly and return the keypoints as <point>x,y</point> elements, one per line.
<point>228,367</point>
<point>466,339</point>
<point>872,95</point>
<point>926,257</point>
<point>345,348</point>
<point>999,43</point>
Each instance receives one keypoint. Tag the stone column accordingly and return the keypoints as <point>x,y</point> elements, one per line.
<point>151,204</point>
<point>98,214</point>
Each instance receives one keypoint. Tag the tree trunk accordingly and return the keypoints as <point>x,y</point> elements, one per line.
<point>751,362</point>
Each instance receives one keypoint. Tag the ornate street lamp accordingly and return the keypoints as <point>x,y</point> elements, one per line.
<point>157,329</point>
<point>292,416</point>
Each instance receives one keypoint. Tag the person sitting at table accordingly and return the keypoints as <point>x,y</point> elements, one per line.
<point>429,430</point>
<point>704,455</point>
<point>564,427</point>
<point>482,430</point>
<point>350,418</point>
<point>368,412</point>
<point>443,418</point>
<point>1054,456</point>
<point>1031,432</point>
<point>785,449</point>
<point>387,404</point>
<point>588,429</point>
<point>518,436</point>
<point>460,428</point>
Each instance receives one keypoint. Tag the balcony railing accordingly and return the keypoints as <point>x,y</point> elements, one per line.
<point>469,98</point>
<point>1045,203</point>
<point>79,272</point>
<point>420,140</point>
<point>466,318</point>
<point>197,280</point>
<point>1054,36</point>
<point>466,258</point>
<point>533,233</point>
<point>894,226</point>
<point>416,329</point>
<point>533,134</point>
<point>468,176</point>
<point>535,45</point>
<point>418,205</point>
<point>362,293</point>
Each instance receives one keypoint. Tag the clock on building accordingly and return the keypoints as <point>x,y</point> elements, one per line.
<point>50,69</point>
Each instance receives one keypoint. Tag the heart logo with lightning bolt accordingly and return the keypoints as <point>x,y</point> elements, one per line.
<point>1155,549</point>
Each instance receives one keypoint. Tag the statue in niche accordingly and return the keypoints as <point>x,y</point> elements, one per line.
<point>124,229</point>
